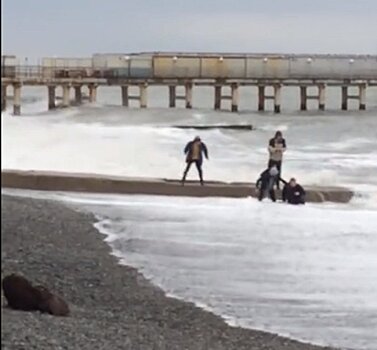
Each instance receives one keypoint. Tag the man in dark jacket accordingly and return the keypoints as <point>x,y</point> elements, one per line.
<point>276,148</point>
<point>293,193</point>
<point>266,183</point>
<point>194,151</point>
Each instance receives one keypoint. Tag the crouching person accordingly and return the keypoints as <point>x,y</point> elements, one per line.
<point>293,193</point>
<point>266,182</point>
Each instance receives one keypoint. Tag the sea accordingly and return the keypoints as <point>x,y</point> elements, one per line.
<point>306,272</point>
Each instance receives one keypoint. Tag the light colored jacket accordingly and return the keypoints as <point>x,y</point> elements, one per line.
<point>276,149</point>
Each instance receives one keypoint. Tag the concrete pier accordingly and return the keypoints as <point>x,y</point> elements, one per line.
<point>51,96</point>
<point>218,97</point>
<point>277,98</point>
<point>225,73</point>
<point>125,97</point>
<point>143,95</point>
<point>3,97</point>
<point>261,97</point>
<point>321,97</point>
<point>66,95</point>
<point>92,93</point>
<point>172,96</point>
<point>362,96</point>
<point>16,99</point>
<point>56,181</point>
<point>78,94</point>
<point>188,95</point>
<point>235,97</point>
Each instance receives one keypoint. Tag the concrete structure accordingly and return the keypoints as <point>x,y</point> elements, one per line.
<point>52,181</point>
<point>233,71</point>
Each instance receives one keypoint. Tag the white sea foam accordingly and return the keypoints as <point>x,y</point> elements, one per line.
<point>307,272</point>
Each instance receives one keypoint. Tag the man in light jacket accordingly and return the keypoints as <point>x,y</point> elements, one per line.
<point>276,148</point>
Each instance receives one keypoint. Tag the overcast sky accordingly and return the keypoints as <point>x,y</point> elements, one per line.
<point>37,28</point>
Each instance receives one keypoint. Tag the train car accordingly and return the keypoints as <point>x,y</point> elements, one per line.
<point>334,67</point>
<point>53,67</point>
<point>123,66</point>
<point>267,67</point>
<point>172,66</point>
<point>223,67</point>
<point>9,64</point>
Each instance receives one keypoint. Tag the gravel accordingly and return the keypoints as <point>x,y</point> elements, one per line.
<point>112,306</point>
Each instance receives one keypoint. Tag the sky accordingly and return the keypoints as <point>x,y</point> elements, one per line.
<point>78,28</point>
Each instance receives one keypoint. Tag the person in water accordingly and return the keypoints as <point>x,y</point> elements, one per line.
<point>293,193</point>
<point>194,151</point>
<point>276,148</point>
<point>266,183</point>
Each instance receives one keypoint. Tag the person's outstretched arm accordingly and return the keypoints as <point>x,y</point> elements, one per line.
<point>205,150</point>
<point>187,148</point>
<point>282,180</point>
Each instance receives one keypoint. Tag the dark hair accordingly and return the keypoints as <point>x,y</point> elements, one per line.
<point>278,133</point>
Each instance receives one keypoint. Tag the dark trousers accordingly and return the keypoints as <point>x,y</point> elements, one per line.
<point>271,193</point>
<point>277,163</point>
<point>198,166</point>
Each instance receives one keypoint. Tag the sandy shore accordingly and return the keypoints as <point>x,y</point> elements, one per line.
<point>113,306</point>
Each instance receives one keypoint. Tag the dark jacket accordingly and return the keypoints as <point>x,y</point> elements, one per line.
<point>264,182</point>
<point>189,149</point>
<point>293,195</point>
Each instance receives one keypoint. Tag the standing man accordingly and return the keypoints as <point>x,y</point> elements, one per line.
<point>194,154</point>
<point>276,148</point>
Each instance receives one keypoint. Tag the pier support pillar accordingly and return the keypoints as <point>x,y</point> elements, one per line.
<point>3,97</point>
<point>78,95</point>
<point>277,98</point>
<point>188,97</point>
<point>51,96</point>
<point>321,97</point>
<point>344,98</point>
<point>143,95</point>
<point>218,97</point>
<point>303,98</point>
<point>66,95</point>
<point>92,93</point>
<point>261,97</point>
<point>125,98</point>
<point>172,96</point>
<point>235,97</point>
<point>362,96</point>
<point>17,99</point>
